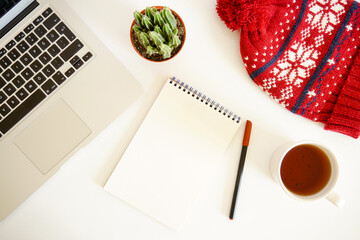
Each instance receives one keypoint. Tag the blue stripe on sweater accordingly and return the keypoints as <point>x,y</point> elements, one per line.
<point>285,44</point>
<point>323,62</point>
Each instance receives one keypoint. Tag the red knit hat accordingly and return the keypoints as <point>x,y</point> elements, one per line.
<point>304,54</point>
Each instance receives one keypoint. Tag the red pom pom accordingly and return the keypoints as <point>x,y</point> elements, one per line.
<point>237,13</point>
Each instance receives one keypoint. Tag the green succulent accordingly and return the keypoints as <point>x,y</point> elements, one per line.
<point>157,31</point>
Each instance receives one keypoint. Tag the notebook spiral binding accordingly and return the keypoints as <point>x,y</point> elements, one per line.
<point>207,100</point>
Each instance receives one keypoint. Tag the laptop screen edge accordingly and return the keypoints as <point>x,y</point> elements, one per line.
<point>18,12</point>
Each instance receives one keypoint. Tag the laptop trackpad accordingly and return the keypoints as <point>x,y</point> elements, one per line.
<point>52,136</point>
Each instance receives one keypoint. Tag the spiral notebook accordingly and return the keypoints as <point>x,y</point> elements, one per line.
<point>173,153</point>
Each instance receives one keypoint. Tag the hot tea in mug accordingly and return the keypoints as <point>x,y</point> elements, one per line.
<point>305,170</point>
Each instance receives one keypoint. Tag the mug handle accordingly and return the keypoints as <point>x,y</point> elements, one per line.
<point>336,199</point>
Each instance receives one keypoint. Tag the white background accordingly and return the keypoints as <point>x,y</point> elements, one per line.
<point>73,204</point>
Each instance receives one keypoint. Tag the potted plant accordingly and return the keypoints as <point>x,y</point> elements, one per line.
<point>157,33</point>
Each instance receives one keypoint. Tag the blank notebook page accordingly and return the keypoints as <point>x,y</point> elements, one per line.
<point>171,156</point>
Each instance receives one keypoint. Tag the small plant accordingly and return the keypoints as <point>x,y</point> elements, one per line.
<point>157,31</point>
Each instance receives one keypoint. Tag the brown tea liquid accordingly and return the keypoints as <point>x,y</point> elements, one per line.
<point>305,170</point>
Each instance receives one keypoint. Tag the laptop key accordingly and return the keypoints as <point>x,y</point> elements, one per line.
<point>27,73</point>
<point>45,58</point>
<point>20,36</point>
<point>21,94</point>
<point>52,36</point>
<point>24,108</point>
<point>8,75</point>
<point>51,21</point>
<point>47,12</point>
<point>62,42</point>
<point>10,44</point>
<point>29,28</point>
<point>4,110</point>
<point>2,52</point>
<point>18,81</point>
<point>49,86</point>
<point>53,50</point>
<point>57,63</point>
<point>30,86</point>
<point>14,54</point>
<point>22,46</point>
<point>71,50</point>
<point>39,78</point>
<point>2,82</point>
<point>40,31</point>
<point>59,78</point>
<point>31,39</point>
<point>48,70</point>
<point>36,66</point>
<point>35,51</point>
<point>26,59</point>
<point>17,67</point>
<point>74,60</point>
<point>13,102</point>
<point>9,89</point>
<point>78,64</point>
<point>5,62</point>
<point>63,29</point>
<point>69,72</point>
<point>3,97</point>
<point>43,43</point>
<point>87,56</point>
<point>38,20</point>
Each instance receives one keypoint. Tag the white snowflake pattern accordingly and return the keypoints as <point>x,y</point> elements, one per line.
<point>290,72</point>
<point>269,83</point>
<point>331,61</point>
<point>349,27</point>
<point>319,40</point>
<point>305,33</point>
<point>296,65</point>
<point>324,14</point>
<point>286,93</point>
<point>311,93</point>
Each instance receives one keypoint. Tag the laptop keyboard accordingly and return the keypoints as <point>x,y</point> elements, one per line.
<point>34,64</point>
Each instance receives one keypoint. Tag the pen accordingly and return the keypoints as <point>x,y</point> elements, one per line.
<point>245,145</point>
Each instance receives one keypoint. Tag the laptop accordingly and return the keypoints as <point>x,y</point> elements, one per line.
<point>59,87</point>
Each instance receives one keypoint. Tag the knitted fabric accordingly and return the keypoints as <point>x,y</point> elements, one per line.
<point>304,54</point>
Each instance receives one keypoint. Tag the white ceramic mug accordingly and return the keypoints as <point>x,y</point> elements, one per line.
<point>326,192</point>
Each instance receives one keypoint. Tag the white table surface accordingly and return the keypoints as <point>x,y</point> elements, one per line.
<point>73,204</point>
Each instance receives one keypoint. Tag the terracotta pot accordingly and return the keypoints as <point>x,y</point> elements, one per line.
<point>182,42</point>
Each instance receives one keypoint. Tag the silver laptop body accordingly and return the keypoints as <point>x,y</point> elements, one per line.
<point>80,90</point>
